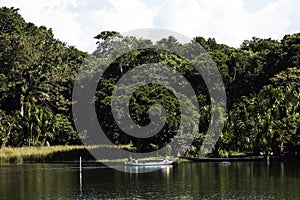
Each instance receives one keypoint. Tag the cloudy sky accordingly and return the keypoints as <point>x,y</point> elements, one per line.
<point>228,21</point>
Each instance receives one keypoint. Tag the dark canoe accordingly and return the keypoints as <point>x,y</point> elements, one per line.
<point>203,159</point>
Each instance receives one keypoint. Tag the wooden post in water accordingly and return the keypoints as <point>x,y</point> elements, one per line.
<point>80,164</point>
<point>80,176</point>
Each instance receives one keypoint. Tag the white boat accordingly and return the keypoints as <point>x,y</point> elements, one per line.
<point>148,162</point>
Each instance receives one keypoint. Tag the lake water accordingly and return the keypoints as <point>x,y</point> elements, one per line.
<point>182,181</point>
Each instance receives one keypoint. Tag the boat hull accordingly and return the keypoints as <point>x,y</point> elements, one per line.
<point>149,163</point>
<point>242,159</point>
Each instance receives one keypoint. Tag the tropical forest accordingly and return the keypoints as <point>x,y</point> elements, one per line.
<point>261,79</point>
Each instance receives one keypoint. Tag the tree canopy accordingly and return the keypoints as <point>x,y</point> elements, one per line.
<point>37,72</point>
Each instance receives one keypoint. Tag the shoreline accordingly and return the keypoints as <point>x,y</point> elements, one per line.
<point>45,154</point>
<point>71,154</point>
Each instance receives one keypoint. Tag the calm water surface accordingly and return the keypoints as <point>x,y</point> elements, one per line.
<point>182,181</point>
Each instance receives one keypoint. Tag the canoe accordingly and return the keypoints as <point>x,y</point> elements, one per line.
<point>148,162</point>
<point>241,159</point>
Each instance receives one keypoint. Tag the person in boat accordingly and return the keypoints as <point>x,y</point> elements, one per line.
<point>129,159</point>
<point>132,160</point>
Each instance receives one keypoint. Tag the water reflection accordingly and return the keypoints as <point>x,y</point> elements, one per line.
<point>182,181</point>
<point>146,169</point>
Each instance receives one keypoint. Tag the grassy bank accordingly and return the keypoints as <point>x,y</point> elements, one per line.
<point>66,154</point>
<point>57,153</point>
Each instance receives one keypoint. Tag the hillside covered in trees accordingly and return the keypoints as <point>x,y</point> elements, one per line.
<point>37,72</point>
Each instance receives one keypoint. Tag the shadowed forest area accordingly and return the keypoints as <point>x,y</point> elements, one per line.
<point>37,72</point>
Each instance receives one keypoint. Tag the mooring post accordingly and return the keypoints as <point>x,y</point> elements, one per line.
<point>80,163</point>
<point>80,176</point>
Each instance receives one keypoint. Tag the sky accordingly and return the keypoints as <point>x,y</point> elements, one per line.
<point>230,22</point>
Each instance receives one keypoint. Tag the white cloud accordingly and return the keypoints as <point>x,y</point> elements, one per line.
<point>74,24</point>
<point>53,14</point>
<point>277,19</point>
<point>229,21</point>
<point>225,21</point>
<point>123,16</point>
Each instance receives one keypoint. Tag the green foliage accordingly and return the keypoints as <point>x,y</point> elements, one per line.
<point>266,122</point>
<point>147,95</point>
<point>36,80</point>
<point>37,73</point>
